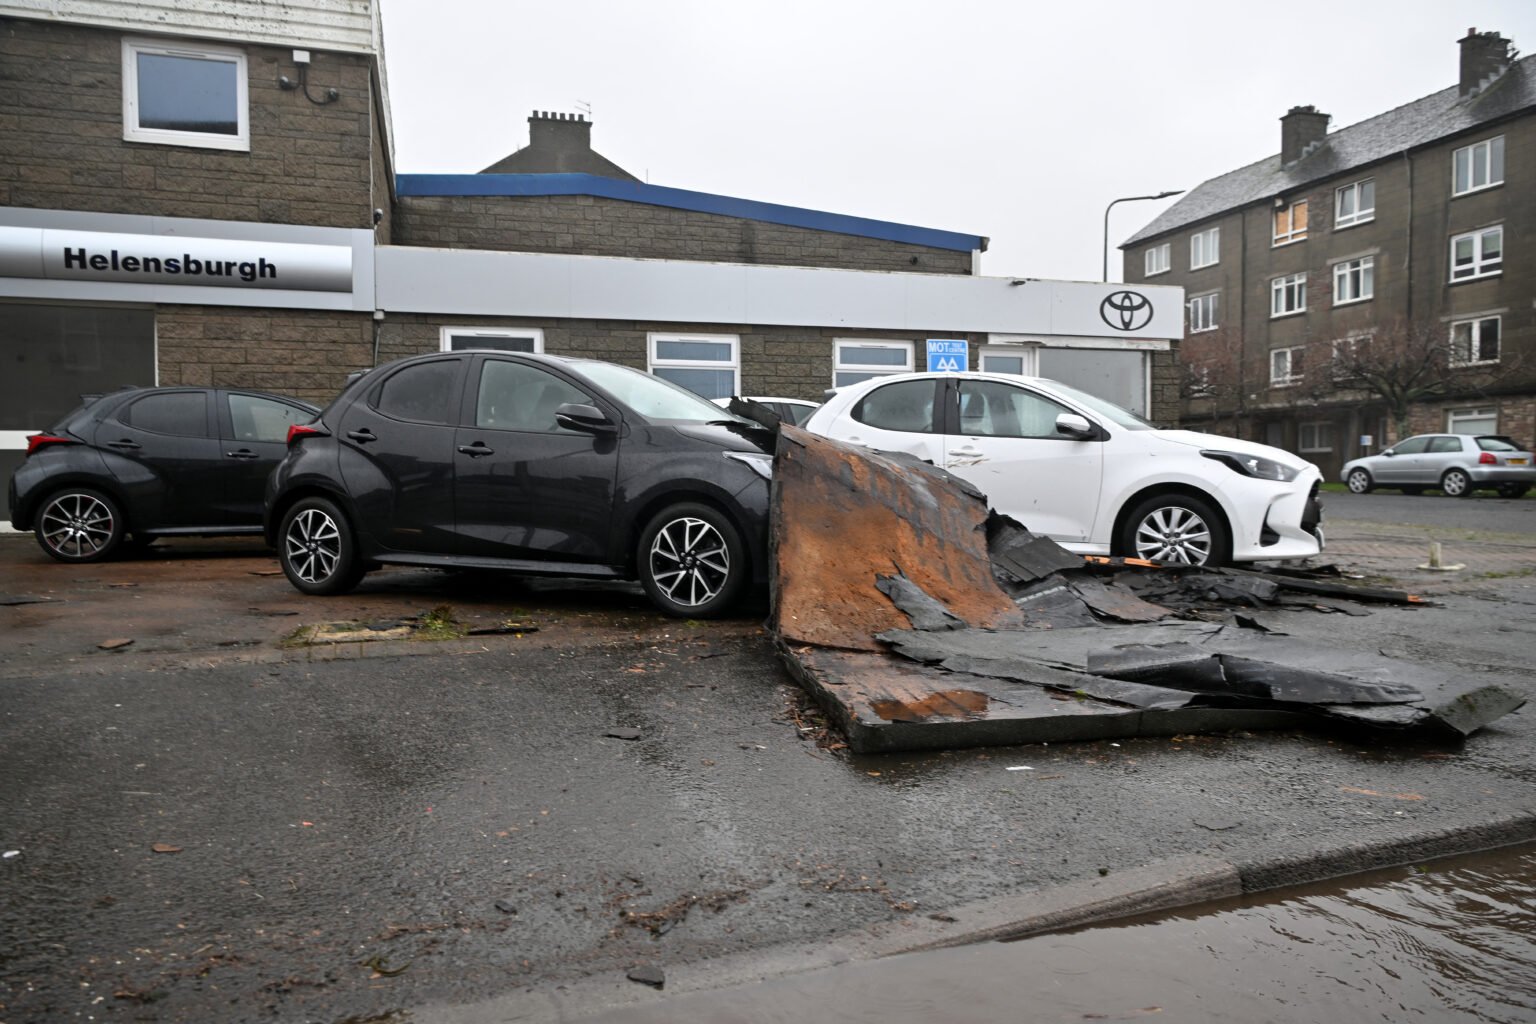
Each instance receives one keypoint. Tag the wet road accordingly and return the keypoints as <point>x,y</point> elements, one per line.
<point>1481,513</point>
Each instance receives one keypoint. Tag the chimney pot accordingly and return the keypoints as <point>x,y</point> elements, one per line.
<point>1301,128</point>
<point>1484,56</point>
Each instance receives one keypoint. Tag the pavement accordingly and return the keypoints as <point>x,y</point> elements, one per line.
<point>221,821</point>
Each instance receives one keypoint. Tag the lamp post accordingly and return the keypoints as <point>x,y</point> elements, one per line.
<point>1104,251</point>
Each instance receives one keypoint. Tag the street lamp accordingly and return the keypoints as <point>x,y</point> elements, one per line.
<point>1125,199</point>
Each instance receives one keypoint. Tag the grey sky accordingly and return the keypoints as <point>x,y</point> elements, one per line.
<point>1019,121</point>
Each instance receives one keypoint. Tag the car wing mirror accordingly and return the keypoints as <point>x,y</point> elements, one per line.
<point>1389,451</point>
<point>1073,425</point>
<point>588,419</point>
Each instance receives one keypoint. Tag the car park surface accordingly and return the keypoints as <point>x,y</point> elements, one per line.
<point>1458,464</point>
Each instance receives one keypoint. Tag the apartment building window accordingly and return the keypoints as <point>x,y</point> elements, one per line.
<point>185,95</point>
<point>706,364</point>
<point>1202,312</point>
<point>1354,204</point>
<point>1478,166</point>
<point>1483,420</point>
<point>854,361</point>
<point>1344,364</point>
<point>1291,223</point>
<point>502,339</point>
<point>1285,366</point>
<point>1315,437</point>
<point>1354,280</point>
<point>1158,259</point>
<point>1475,341</point>
<point>1288,295</point>
<point>1205,248</point>
<point>1477,254</point>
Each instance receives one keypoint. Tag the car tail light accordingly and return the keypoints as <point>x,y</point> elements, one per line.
<point>299,431</point>
<point>1487,459</point>
<point>37,442</point>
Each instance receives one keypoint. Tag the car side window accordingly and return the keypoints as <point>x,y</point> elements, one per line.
<point>183,413</point>
<point>1412,446</point>
<point>1444,444</point>
<point>906,406</point>
<point>516,396</point>
<point>422,392</point>
<point>1496,444</point>
<point>262,419</point>
<point>991,409</point>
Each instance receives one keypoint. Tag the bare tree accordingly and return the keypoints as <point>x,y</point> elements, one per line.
<point>1211,372</point>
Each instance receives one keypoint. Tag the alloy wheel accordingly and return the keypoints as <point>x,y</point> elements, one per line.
<point>1174,534</point>
<point>689,561</point>
<point>1455,483</point>
<point>77,525</point>
<point>312,545</point>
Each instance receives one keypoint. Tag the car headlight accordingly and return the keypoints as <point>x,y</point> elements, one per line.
<point>760,463</point>
<point>1255,466</point>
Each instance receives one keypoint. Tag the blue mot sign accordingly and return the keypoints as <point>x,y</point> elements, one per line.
<point>947,356</point>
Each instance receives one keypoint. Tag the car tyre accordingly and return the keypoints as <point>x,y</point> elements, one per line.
<point>1514,490</point>
<point>1359,482</point>
<point>79,524</point>
<point>317,549</point>
<point>1176,529</point>
<point>691,561</point>
<point>1456,483</point>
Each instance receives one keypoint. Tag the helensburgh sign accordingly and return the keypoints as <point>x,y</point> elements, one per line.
<point>58,255</point>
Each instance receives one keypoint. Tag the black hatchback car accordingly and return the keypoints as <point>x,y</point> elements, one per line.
<point>531,463</point>
<point>151,462</point>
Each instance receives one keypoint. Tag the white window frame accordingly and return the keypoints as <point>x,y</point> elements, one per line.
<point>1474,327</point>
<point>839,345</point>
<point>1292,233</point>
<point>446,334</point>
<point>1486,412</point>
<point>1362,214</point>
<point>1026,354</point>
<point>1488,153</point>
<point>1205,248</point>
<point>1159,259</point>
<point>1289,377</point>
<point>1354,280</point>
<point>1346,346</point>
<point>1481,265</point>
<point>132,132</point>
<point>653,363</point>
<point>1279,287</point>
<point>1314,436</point>
<point>1204,313</point>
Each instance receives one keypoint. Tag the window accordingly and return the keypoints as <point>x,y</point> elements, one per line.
<point>1478,166</point>
<point>854,361</point>
<point>1158,258</point>
<point>261,419</point>
<point>1354,204</point>
<point>1444,445</point>
<point>516,396</point>
<point>1477,254</point>
<point>1291,223</point>
<point>906,405</point>
<point>1285,366</point>
<point>1315,437</point>
<point>185,95</point>
<point>706,364</point>
<point>1483,420</point>
<point>183,413</point>
<point>989,409</point>
<point>1345,362</point>
<point>1016,360</point>
<point>502,339</point>
<point>1202,312</point>
<point>1204,248</point>
<point>421,392</point>
<point>1354,280</point>
<point>1412,446</point>
<point>1288,295</point>
<point>1475,341</point>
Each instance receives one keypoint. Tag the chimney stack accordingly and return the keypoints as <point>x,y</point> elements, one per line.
<point>1300,129</point>
<point>1484,56</point>
<point>564,134</point>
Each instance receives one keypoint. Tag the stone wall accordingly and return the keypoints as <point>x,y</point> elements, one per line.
<point>306,354</point>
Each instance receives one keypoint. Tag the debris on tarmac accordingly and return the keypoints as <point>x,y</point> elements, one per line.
<point>506,906</point>
<point>116,643</point>
<point>15,599</point>
<point>646,974</point>
<point>165,848</point>
<point>623,733</point>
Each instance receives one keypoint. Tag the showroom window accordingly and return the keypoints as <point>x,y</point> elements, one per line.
<point>1202,312</point>
<point>1158,258</point>
<point>502,339</point>
<point>1475,341</point>
<point>1291,223</point>
<point>1477,254</point>
<point>1285,366</point>
<point>706,364</point>
<point>1482,420</point>
<point>1354,204</point>
<point>1478,166</point>
<point>854,361</point>
<point>1205,248</point>
<point>1354,280</point>
<point>1315,437</point>
<point>185,95</point>
<point>1288,295</point>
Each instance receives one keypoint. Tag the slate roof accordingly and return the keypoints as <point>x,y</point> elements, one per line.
<point>1415,124</point>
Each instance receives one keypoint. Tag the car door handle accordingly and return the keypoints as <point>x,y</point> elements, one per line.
<point>242,453</point>
<point>476,450</point>
<point>362,436</point>
<point>964,451</point>
<point>125,445</point>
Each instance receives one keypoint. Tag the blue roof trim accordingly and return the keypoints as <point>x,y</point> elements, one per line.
<point>680,199</point>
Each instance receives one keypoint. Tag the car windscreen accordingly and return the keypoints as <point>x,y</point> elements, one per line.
<point>651,397</point>
<point>1109,410</point>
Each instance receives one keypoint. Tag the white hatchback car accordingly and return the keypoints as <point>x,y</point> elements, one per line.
<point>1094,477</point>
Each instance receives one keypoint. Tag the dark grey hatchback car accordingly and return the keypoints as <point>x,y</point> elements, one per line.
<point>534,464</point>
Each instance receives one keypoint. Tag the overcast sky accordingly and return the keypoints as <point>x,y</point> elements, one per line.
<point>1018,120</point>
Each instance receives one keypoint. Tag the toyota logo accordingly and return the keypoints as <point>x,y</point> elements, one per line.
<point>1126,311</point>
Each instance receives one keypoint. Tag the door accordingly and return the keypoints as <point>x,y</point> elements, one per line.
<point>898,417</point>
<point>1444,452</point>
<point>525,487</point>
<point>396,448</point>
<point>165,457</point>
<point>1403,466</point>
<point>1007,445</point>
<point>253,435</point>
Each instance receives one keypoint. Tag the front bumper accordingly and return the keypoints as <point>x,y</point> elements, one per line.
<point>1290,524</point>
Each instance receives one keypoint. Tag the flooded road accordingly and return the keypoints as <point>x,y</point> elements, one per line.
<point>1451,942</point>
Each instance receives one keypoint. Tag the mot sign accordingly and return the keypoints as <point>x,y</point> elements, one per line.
<point>946,356</point>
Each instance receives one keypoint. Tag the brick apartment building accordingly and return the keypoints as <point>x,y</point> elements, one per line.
<point>1375,251</point>
<point>206,195</point>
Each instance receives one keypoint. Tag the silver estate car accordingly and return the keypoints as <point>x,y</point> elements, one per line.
<point>1457,464</point>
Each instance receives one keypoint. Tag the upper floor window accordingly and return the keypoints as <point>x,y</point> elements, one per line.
<point>1285,365</point>
<point>1354,204</point>
<point>1288,295</point>
<point>1354,280</point>
<point>1158,258</point>
<point>706,364</point>
<point>1478,166</point>
<point>185,95</point>
<point>1202,312</point>
<point>1477,254</point>
<point>853,361</point>
<point>1475,341</point>
<point>1204,248</point>
<point>1291,222</point>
